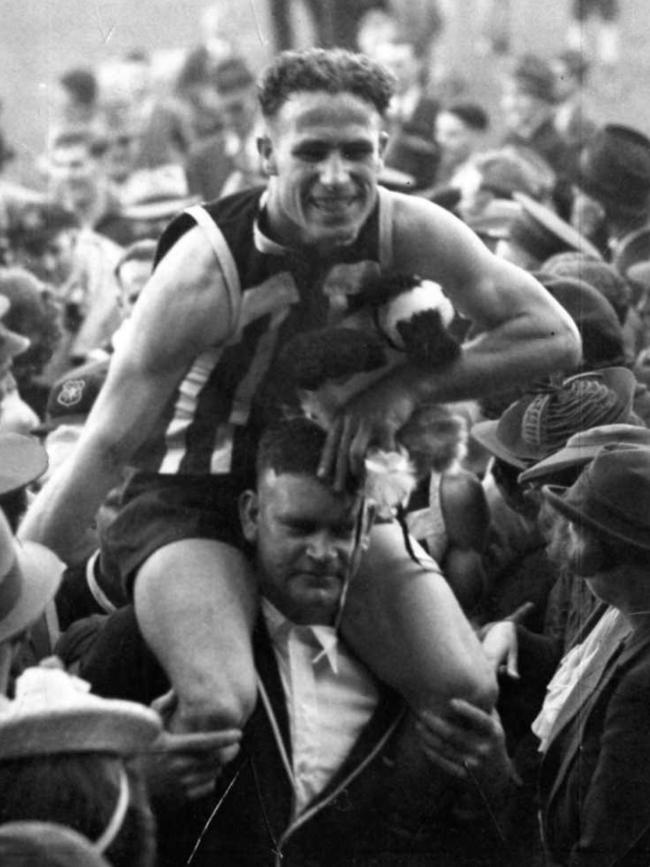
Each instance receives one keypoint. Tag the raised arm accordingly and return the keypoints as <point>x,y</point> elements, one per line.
<point>521,332</point>
<point>183,309</point>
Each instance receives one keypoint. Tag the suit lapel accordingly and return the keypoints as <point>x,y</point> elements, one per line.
<point>575,713</point>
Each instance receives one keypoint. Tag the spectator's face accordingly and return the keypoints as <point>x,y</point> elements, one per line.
<point>587,215</point>
<point>239,110</point>
<point>457,141</point>
<point>52,260</point>
<point>323,153</point>
<point>401,59</point>
<point>521,109</point>
<point>305,544</point>
<point>132,277</point>
<point>72,172</point>
<point>119,156</point>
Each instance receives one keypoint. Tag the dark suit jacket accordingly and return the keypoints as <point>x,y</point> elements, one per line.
<point>595,775</point>
<point>385,805</point>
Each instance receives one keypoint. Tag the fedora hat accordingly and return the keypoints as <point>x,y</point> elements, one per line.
<point>596,320</point>
<point>22,460</point>
<point>542,233</point>
<point>614,168</point>
<point>30,575</point>
<point>583,446</point>
<point>541,422</point>
<point>611,496</point>
<point>54,712</point>
<point>156,194</point>
<point>632,260</point>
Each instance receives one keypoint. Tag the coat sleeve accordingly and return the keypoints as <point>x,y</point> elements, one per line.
<point>615,817</point>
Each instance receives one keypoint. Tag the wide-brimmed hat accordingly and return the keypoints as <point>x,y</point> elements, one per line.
<point>611,496</point>
<point>156,194</point>
<point>540,423</point>
<point>614,168</point>
<point>600,275</point>
<point>33,841</point>
<point>632,260</point>
<point>54,712</point>
<point>583,447</point>
<point>30,575</point>
<point>22,460</point>
<point>599,326</point>
<point>542,233</point>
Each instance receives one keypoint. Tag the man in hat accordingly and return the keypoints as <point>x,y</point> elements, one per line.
<point>230,287</point>
<point>29,573</point>
<point>613,181</point>
<point>594,725</point>
<point>78,264</point>
<point>324,728</point>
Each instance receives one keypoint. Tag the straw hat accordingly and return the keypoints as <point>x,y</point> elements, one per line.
<point>54,712</point>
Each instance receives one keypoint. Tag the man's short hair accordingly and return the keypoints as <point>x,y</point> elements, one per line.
<point>294,446</point>
<point>138,251</point>
<point>470,113</point>
<point>326,70</point>
<point>81,84</point>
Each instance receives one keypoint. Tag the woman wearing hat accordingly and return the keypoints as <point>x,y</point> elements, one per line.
<point>67,756</point>
<point>594,725</point>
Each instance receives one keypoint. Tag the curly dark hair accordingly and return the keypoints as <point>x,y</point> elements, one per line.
<point>34,314</point>
<point>330,70</point>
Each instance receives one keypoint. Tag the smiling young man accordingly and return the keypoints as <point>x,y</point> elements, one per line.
<point>234,281</point>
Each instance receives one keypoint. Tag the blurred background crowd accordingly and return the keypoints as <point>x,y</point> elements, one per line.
<point>528,123</point>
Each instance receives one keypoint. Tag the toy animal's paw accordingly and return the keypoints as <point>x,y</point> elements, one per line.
<point>427,341</point>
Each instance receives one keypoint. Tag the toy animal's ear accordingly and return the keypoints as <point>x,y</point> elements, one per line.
<point>266,152</point>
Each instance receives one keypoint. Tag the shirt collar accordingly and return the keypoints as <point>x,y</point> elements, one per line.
<point>323,639</point>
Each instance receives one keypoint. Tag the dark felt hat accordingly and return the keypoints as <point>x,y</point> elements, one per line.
<point>596,319</point>
<point>72,397</point>
<point>601,275</point>
<point>542,233</point>
<point>614,168</point>
<point>583,447</point>
<point>540,423</point>
<point>534,75</point>
<point>38,222</point>
<point>612,496</point>
<point>632,259</point>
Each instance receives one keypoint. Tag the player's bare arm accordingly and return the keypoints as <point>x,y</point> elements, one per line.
<point>182,311</point>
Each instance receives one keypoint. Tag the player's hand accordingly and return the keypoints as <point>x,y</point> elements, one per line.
<point>465,741</point>
<point>371,418</point>
<point>501,647</point>
<point>185,765</point>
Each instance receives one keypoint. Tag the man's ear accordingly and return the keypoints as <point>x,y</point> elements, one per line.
<point>248,514</point>
<point>383,141</point>
<point>367,520</point>
<point>265,150</point>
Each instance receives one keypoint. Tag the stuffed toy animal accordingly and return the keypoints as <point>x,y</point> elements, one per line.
<point>394,320</point>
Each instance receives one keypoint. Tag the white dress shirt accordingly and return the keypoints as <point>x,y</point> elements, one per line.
<point>330,697</point>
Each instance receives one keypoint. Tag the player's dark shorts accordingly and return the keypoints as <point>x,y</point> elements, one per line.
<point>606,9</point>
<point>160,509</point>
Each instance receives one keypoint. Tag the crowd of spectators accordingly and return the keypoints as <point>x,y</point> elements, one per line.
<point>531,497</point>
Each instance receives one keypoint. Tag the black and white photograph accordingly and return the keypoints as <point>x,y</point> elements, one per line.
<point>325,433</point>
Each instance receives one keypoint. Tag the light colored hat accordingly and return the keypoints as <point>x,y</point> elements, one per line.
<point>22,460</point>
<point>582,447</point>
<point>47,843</point>
<point>156,194</point>
<point>54,712</point>
<point>30,575</point>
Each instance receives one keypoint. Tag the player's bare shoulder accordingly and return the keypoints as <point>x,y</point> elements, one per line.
<point>186,295</point>
<point>430,241</point>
